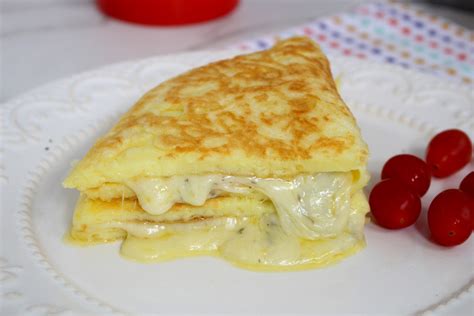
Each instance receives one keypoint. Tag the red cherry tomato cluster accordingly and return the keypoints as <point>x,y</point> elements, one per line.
<point>395,202</point>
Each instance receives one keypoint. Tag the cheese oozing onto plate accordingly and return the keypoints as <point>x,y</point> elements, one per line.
<point>308,206</point>
<point>255,242</point>
<point>252,243</point>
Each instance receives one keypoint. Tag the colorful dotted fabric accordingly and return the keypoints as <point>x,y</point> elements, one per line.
<point>390,32</point>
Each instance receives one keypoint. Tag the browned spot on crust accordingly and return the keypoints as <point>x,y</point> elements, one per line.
<point>261,97</point>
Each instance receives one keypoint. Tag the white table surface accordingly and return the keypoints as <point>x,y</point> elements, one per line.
<point>44,40</point>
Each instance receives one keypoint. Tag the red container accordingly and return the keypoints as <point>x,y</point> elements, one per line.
<point>166,12</point>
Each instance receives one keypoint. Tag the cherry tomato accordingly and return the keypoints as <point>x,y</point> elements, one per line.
<point>393,205</point>
<point>448,152</point>
<point>410,170</point>
<point>467,184</point>
<point>449,218</point>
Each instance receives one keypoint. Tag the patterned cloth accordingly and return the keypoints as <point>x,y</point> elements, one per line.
<point>390,32</point>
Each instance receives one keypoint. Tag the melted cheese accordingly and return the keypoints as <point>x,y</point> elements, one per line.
<point>157,230</point>
<point>255,242</point>
<point>309,206</point>
<point>252,243</point>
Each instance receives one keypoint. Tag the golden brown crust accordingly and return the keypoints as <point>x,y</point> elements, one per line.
<point>250,115</point>
<point>187,121</point>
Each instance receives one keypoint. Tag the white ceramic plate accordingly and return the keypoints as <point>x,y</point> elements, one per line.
<point>400,272</point>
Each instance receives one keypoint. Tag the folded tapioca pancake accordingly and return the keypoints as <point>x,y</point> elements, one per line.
<point>244,231</point>
<point>259,140</point>
<point>275,113</point>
